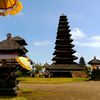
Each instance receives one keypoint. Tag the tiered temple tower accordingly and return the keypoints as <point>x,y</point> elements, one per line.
<point>63,49</point>
<point>63,61</point>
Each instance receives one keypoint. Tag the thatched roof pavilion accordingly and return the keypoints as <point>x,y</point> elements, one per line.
<point>94,61</point>
<point>13,44</point>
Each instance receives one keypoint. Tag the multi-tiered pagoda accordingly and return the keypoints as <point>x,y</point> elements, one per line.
<point>63,60</point>
<point>10,49</point>
<point>63,49</point>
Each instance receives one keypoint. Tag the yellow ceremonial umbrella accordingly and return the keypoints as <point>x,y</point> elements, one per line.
<point>24,62</point>
<point>10,7</point>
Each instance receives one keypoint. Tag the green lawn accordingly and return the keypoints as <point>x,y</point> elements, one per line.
<point>49,80</point>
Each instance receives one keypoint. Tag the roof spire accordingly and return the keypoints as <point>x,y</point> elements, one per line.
<point>94,57</point>
<point>62,14</point>
<point>9,36</point>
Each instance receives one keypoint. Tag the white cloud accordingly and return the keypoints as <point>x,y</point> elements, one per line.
<point>89,44</point>
<point>42,43</point>
<point>77,33</point>
<point>95,38</point>
<point>81,39</point>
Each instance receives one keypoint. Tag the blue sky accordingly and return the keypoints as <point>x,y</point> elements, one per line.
<point>38,21</point>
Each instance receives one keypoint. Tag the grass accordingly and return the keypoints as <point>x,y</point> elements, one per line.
<point>24,95</point>
<point>49,80</point>
<point>26,90</point>
<point>29,94</point>
<point>12,98</point>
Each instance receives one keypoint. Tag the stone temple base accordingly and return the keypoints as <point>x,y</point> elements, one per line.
<point>64,70</point>
<point>8,82</point>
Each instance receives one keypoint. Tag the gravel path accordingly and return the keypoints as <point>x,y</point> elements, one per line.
<point>89,90</point>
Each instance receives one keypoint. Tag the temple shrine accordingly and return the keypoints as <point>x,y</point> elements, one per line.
<point>10,48</point>
<point>95,68</point>
<point>63,61</point>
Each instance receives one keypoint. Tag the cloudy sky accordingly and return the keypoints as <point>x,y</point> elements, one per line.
<point>38,21</point>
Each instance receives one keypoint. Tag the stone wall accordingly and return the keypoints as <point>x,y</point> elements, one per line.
<point>79,74</point>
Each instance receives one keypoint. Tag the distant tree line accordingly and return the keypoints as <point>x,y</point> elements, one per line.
<point>82,62</point>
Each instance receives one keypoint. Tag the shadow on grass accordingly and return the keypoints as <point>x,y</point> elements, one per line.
<point>6,97</point>
<point>26,90</point>
<point>20,95</point>
<point>12,98</point>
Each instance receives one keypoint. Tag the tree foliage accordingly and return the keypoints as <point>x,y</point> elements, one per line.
<point>38,68</point>
<point>82,62</point>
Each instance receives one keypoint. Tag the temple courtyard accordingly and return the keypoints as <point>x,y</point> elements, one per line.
<point>77,90</point>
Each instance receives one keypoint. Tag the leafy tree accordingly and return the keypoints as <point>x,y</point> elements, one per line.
<point>82,62</point>
<point>38,68</point>
<point>88,71</point>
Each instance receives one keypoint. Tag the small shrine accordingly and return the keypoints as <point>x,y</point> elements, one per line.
<point>63,60</point>
<point>95,64</point>
<point>10,48</point>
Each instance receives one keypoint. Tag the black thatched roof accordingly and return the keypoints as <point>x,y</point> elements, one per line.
<point>94,61</point>
<point>20,40</point>
<point>64,67</point>
<point>8,56</point>
<point>13,43</point>
<point>9,45</point>
<point>46,64</point>
<point>25,50</point>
